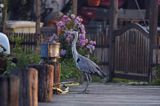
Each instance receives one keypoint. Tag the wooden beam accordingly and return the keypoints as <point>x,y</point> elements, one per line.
<point>132,14</point>
<point>4,15</point>
<point>123,14</point>
<point>153,20</point>
<point>112,26</point>
<point>114,14</point>
<point>38,18</point>
<point>74,6</point>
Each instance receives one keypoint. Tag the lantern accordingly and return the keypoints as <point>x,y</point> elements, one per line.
<point>50,51</point>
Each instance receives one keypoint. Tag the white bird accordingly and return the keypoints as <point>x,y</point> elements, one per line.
<point>85,65</point>
<point>4,44</point>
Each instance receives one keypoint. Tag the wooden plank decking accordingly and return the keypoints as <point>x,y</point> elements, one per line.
<point>109,95</point>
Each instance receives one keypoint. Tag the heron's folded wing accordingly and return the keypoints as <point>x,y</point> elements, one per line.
<point>87,65</point>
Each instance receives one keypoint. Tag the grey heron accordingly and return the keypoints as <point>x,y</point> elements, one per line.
<point>84,64</point>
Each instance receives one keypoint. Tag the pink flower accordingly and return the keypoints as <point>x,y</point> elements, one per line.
<point>60,24</point>
<point>81,36</point>
<point>82,43</point>
<point>92,42</point>
<point>73,16</point>
<point>74,22</point>
<point>86,40</point>
<point>63,52</point>
<point>91,48</point>
<point>65,17</point>
<point>79,19</point>
<point>82,28</point>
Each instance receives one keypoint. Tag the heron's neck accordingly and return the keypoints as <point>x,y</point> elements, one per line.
<point>74,49</point>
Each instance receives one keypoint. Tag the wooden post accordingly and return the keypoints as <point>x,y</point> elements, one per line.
<point>153,21</point>
<point>147,3</point>
<point>74,6</point>
<point>28,86</point>
<point>9,91</point>
<point>45,82</point>
<point>38,20</point>
<point>112,26</point>
<point>4,15</point>
<point>57,68</point>
<point>33,86</point>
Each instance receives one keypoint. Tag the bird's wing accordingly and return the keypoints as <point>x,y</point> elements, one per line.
<point>86,65</point>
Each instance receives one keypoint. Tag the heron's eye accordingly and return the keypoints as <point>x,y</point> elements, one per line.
<point>78,60</point>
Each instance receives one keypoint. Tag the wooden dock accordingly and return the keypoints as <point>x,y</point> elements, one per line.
<point>109,95</point>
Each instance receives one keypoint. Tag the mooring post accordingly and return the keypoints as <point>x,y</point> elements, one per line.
<point>45,81</point>
<point>9,90</point>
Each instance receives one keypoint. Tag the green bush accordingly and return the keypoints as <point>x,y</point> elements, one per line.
<point>69,70</point>
<point>23,58</point>
<point>156,80</point>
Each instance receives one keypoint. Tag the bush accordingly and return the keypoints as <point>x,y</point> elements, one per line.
<point>69,70</point>
<point>156,76</point>
<point>21,58</point>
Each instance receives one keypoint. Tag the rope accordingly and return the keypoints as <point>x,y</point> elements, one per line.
<point>138,7</point>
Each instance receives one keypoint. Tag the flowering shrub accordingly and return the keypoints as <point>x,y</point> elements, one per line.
<point>84,46</point>
<point>73,22</point>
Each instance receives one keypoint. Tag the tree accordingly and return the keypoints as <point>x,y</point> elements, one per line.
<point>22,11</point>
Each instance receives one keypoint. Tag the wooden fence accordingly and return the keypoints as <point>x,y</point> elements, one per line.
<point>28,41</point>
<point>131,48</point>
<point>99,33</point>
<point>131,51</point>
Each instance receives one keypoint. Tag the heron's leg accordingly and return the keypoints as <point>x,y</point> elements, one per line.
<point>90,78</point>
<point>87,78</point>
<point>81,80</point>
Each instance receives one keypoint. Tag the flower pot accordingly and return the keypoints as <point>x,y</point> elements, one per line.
<point>94,2</point>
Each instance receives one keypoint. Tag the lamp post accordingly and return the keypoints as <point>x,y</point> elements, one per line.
<point>50,55</point>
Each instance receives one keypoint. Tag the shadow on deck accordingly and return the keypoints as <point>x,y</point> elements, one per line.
<point>109,95</point>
